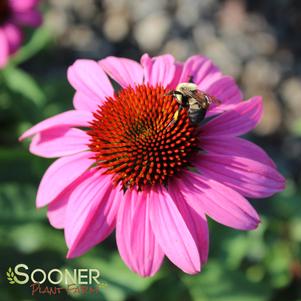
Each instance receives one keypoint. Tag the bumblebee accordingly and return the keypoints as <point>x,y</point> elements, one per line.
<point>196,101</point>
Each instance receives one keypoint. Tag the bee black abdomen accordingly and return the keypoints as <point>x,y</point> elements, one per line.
<point>196,116</point>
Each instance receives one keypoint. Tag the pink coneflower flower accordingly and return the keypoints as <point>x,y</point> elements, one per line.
<point>122,165</point>
<point>13,15</point>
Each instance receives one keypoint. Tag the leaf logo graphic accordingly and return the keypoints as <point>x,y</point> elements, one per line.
<point>10,276</point>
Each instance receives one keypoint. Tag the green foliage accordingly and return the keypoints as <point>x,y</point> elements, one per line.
<point>40,39</point>
<point>22,83</point>
<point>219,283</point>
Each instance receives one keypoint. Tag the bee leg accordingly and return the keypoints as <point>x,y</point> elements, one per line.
<point>176,116</point>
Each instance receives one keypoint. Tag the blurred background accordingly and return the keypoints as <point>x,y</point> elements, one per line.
<point>257,41</point>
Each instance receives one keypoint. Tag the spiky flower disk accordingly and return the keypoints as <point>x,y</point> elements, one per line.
<point>132,139</point>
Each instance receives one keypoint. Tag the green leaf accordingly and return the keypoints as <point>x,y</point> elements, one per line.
<point>220,284</point>
<point>21,82</point>
<point>40,39</point>
<point>17,206</point>
<point>168,288</point>
<point>121,282</point>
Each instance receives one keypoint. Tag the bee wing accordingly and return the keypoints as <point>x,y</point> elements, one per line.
<point>196,94</point>
<point>200,96</point>
<point>214,100</point>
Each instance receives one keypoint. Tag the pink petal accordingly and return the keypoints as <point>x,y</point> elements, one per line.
<point>159,70</point>
<point>91,212</point>
<point>235,146</point>
<point>198,68</point>
<point>4,49</point>
<point>21,5</point>
<point>224,89</point>
<point>14,37</point>
<point>249,177</point>
<point>177,76</point>
<point>59,141</point>
<point>57,209</point>
<point>83,102</point>
<point>194,219</point>
<point>240,120</point>
<point>31,18</point>
<point>88,78</point>
<point>172,233</point>
<point>124,71</point>
<point>135,239</point>
<point>147,64</point>
<point>223,204</point>
<point>60,175</point>
<point>68,118</point>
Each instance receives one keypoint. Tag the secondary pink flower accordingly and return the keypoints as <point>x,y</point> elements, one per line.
<point>122,167</point>
<point>13,15</point>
